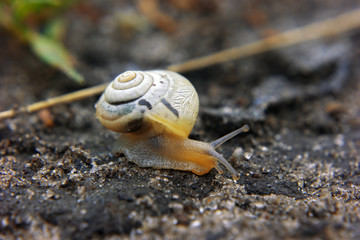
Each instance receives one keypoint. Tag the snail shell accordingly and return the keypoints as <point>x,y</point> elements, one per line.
<point>154,112</point>
<point>135,99</point>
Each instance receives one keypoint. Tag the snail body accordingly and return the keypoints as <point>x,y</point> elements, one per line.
<point>154,112</point>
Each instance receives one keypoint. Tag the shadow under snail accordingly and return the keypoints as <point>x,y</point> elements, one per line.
<point>154,112</point>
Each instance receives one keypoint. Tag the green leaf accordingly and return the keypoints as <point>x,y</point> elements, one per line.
<point>55,28</point>
<point>23,8</point>
<point>54,53</point>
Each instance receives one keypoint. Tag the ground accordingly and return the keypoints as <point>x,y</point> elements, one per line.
<point>299,163</point>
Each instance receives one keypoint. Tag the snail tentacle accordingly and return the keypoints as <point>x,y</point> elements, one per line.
<point>223,161</point>
<point>228,136</point>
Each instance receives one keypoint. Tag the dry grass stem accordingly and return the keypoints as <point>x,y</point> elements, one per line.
<point>67,98</point>
<point>327,28</point>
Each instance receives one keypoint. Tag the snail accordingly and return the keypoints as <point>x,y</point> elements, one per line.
<point>154,112</point>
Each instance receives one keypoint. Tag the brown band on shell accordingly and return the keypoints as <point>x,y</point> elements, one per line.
<point>134,125</point>
<point>168,105</point>
<point>144,102</point>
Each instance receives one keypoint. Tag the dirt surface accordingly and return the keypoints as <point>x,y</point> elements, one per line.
<point>299,163</point>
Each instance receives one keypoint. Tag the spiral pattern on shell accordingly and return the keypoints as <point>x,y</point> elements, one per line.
<point>128,86</point>
<point>135,98</point>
